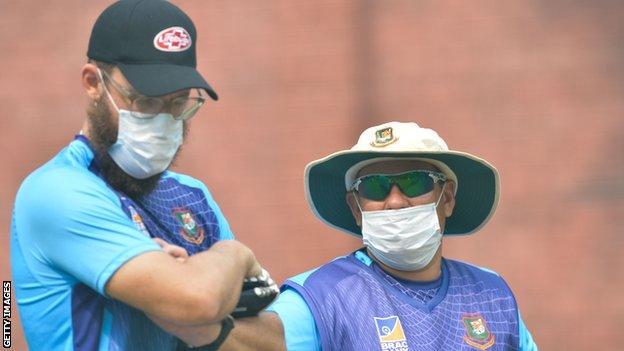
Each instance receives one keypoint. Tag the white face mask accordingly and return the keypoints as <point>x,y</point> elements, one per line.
<point>404,239</point>
<point>145,146</point>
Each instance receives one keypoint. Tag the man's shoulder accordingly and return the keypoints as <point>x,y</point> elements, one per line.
<point>56,177</point>
<point>185,180</point>
<point>68,168</point>
<point>467,266</point>
<point>327,275</point>
<point>58,182</point>
<point>477,273</point>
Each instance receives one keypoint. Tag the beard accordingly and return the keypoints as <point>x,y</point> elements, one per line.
<point>102,135</point>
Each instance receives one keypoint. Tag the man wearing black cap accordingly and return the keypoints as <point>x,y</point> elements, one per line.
<point>90,226</point>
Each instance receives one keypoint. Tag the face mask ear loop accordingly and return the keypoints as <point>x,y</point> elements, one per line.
<point>441,194</point>
<point>106,91</point>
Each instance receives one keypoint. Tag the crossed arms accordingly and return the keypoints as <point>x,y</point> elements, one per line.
<point>207,287</point>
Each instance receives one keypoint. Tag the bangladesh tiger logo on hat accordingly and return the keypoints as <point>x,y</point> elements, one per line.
<point>384,137</point>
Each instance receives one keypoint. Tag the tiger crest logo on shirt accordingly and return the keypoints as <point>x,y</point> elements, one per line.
<point>477,333</point>
<point>191,231</point>
<point>390,332</point>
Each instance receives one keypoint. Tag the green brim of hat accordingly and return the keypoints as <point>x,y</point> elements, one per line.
<point>475,201</point>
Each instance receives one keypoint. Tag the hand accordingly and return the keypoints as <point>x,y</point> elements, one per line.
<point>177,252</point>
<point>255,270</point>
<point>257,293</point>
<point>253,267</point>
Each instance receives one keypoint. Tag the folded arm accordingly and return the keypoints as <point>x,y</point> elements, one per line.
<point>199,290</point>
<point>262,333</point>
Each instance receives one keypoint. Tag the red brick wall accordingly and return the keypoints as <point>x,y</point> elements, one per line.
<point>535,87</point>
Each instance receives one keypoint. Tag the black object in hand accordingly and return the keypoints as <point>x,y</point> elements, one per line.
<point>257,293</point>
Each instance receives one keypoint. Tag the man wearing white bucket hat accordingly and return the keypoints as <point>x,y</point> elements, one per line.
<point>401,190</point>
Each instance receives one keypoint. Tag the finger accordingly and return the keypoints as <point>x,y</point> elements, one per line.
<point>161,242</point>
<point>176,251</point>
<point>255,270</point>
<point>172,250</point>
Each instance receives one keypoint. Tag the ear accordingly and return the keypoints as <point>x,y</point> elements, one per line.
<point>355,209</point>
<point>90,81</point>
<point>449,198</point>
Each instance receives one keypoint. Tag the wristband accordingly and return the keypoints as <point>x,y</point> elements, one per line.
<point>226,327</point>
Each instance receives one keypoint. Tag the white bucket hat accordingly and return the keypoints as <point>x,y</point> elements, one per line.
<point>328,179</point>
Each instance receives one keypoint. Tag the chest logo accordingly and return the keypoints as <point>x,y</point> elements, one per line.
<point>477,333</point>
<point>190,231</point>
<point>138,221</point>
<point>390,333</point>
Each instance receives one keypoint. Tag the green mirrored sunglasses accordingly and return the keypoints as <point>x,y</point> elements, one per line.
<point>376,187</point>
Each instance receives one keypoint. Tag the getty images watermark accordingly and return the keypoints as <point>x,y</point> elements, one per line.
<point>6,314</point>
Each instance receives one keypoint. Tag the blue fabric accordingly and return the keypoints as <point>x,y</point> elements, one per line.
<point>300,329</point>
<point>70,232</point>
<point>526,340</point>
<point>302,332</point>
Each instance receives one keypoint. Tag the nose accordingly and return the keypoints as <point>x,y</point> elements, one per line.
<point>396,199</point>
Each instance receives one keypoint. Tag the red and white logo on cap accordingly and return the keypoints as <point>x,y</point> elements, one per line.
<point>172,39</point>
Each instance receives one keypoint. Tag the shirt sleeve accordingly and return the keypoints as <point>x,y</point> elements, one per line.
<point>526,340</point>
<point>300,330</point>
<point>224,227</point>
<point>72,223</point>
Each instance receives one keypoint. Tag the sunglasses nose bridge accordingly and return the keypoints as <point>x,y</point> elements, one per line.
<point>396,199</point>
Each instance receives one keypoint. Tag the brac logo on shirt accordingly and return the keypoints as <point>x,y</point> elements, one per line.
<point>390,332</point>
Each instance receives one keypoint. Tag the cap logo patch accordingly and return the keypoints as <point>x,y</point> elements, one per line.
<point>384,137</point>
<point>173,39</point>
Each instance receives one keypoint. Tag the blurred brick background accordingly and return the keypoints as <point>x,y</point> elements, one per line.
<point>533,86</point>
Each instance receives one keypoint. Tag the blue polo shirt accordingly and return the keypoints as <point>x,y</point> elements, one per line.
<point>70,232</point>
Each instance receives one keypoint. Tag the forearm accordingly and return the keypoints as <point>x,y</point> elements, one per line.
<point>206,286</point>
<point>262,333</point>
<point>191,335</point>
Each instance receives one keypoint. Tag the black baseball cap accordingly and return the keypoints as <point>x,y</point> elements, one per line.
<point>153,44</point>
